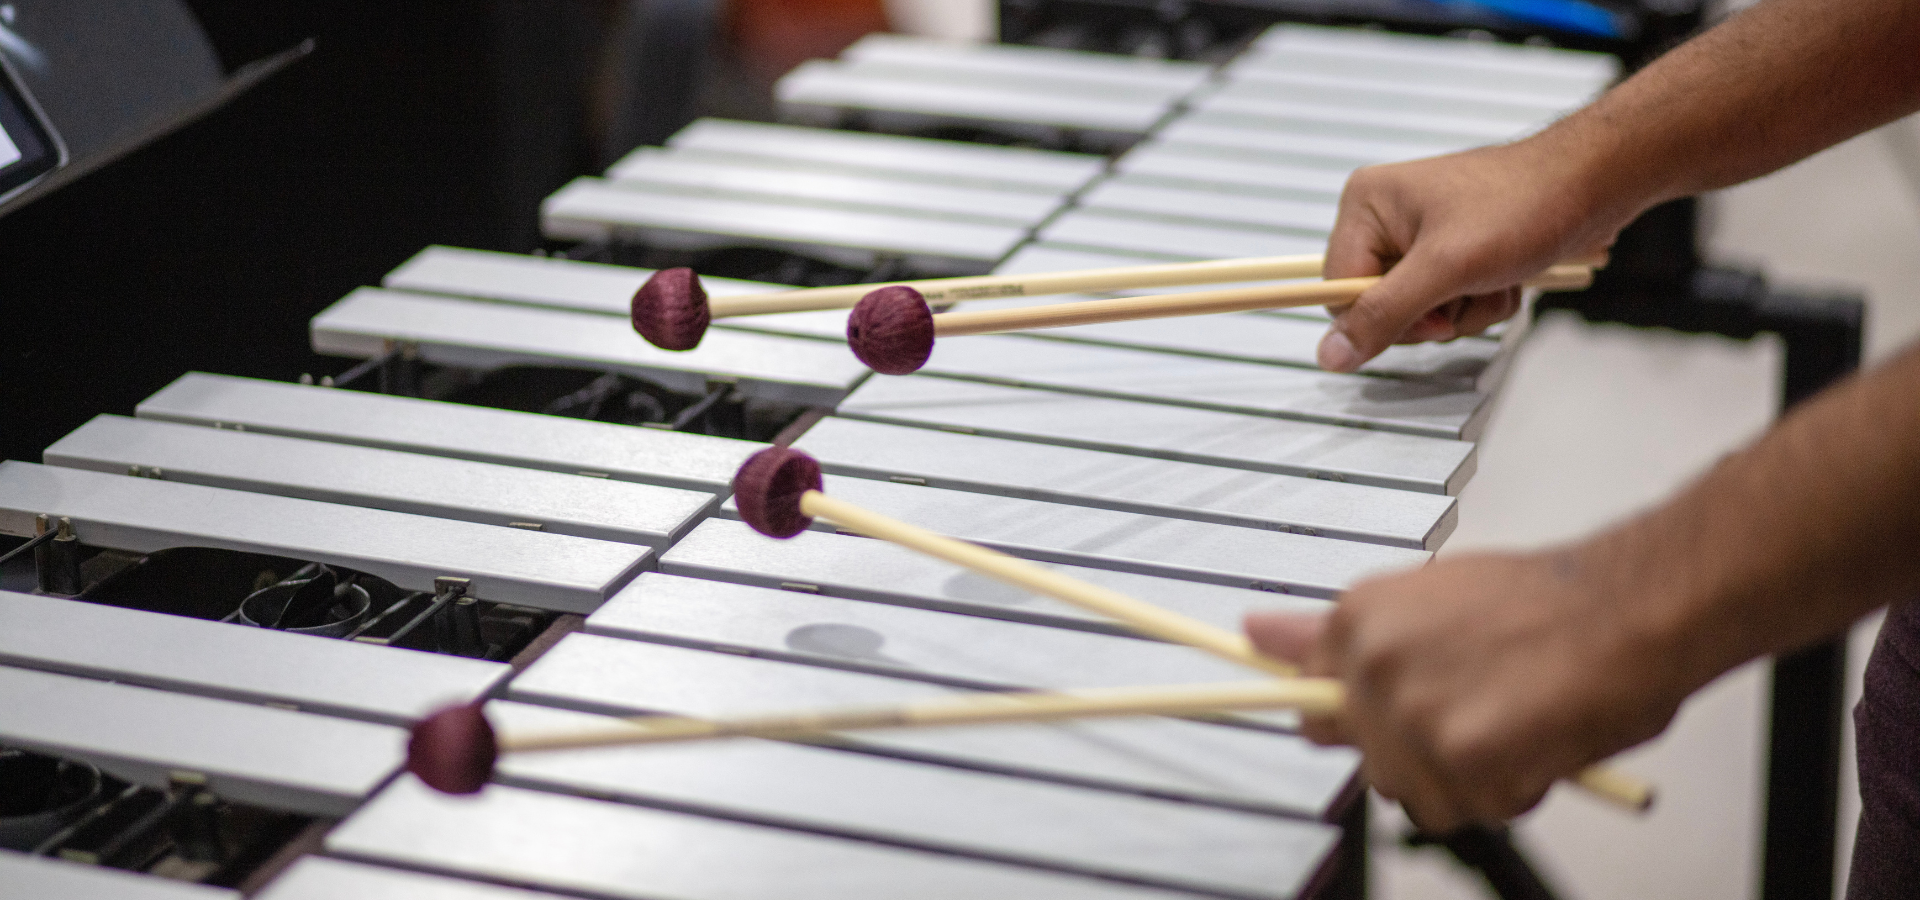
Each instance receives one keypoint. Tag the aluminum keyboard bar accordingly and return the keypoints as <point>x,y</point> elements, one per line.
<point>1257,443</point>
<point>316,765</point>
<point>1432,409</point>
<point>141,515</point>
<point>633,853</point>
<point>551,443</point>
<point>384,479</point>
<point>1195,164</point>
<point>834,565</point>
<point>1198,763</point>
<point>955,162</point>
<point>235,662</point>
<point>1101,229</point>
<point>1159,487</point>
<point>1130,542</point>
<point>588,209</point>
<point>663,170</point>
<point>487,336</point>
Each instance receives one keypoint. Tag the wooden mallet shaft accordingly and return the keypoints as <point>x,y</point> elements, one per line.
<point>1139,615</point>
<point>1037,284</point>
<point>1615,787</point>
<point>1247,299</point>
<point>1308,695</point>
<point>893,330</point>
<point>1040,284</point>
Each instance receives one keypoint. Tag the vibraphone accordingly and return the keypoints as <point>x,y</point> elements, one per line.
<point>489,524</point>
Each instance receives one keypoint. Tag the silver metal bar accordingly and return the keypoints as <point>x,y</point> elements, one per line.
<point>1216,765</point>
<point>634,853</point>
<point>1225,166</point>
<point>316,765</point>
<point>384,479</point>
<point>1130,542</point>
<point>1258,443</point>
<point>141,515</point>
<point>1136,484</point>
<point>585,287</point>
<point>1103,229</point>
<point>1263,337</point>
<point>1430,408</point>
<point>891,639</point>
<point>821,89</point>
<point>959,162</point>
<point>234,662</point>
<point>863,569</point>
<point>29,876</point>
<point>1141,194</point>
<point>539,280</point>
<point>478,335</point>
<point>588,209</point>
<point>1281,80</point>
<point>1168,76</point>
<point>1238,98</point>
<point>699,176</point>
<point>1514,59</point>
<point>1266,136</point>
<point>1281,95</point>
<point>551,443</point>
<point>1548,86</point>
<point>1044,257</point>
<point>324,878</point>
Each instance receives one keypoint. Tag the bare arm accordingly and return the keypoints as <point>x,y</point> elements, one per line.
<point>1768,87</point>
<point>1476,681</point>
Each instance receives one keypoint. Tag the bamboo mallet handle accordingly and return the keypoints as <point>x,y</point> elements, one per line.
<point>1036,284</point>
<point>893,330</point>
<point>1615,787</point>
<point>1040,284</point>
<point>1123,309</point>
<point>1308,695</point>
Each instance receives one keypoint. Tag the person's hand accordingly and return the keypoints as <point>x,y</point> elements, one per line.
<point>1454,236</point>
<point>1476,682</point>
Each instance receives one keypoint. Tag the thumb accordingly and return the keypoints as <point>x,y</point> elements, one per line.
<point>1283,635</point>
<point>1382,314</point>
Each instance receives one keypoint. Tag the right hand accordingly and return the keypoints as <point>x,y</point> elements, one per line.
<point>1454,236</point>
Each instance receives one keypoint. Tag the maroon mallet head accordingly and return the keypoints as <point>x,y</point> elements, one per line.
<point>453,750</point>
<point>670,310</point>
<point>891,330</point>
<point>767,490</point>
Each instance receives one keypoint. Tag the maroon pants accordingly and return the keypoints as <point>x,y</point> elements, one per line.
<point>1886,854</point>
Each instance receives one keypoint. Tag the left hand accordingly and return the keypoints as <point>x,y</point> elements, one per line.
<point>1476,682</point>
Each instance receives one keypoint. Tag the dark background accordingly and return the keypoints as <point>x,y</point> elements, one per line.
<point>411,123</point>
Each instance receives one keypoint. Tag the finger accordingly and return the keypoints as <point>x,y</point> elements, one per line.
<point>1398,773</point>
<point>1286,635</point>
<point>1436,325</point>
<point>1294,637</point>
<point>1387,310</point>
<point>1481,312</point>
<point>1359,246</point>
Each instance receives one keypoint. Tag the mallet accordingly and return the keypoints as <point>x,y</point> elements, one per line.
<point>455,750</point>
<point>778,492</point>
<point>672,310</point>
<point>892,330</point>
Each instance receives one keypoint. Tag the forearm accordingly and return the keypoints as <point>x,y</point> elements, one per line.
<point>1787,541</point>
<point>1770,86</point>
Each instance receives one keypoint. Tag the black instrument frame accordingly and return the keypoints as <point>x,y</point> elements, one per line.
<point>41,151</point>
